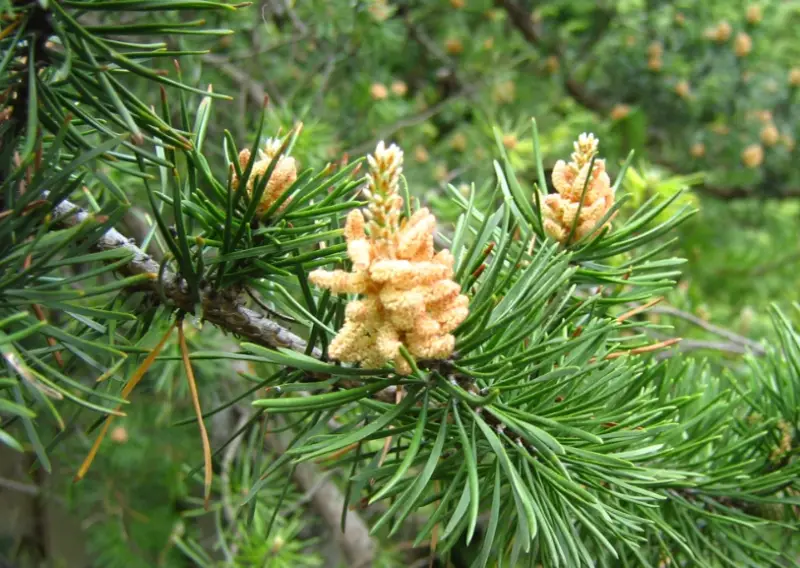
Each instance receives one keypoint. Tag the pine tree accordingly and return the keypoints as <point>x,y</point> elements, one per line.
<point>493,390</point>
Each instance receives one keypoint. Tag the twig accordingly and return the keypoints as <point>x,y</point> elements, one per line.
<point>254,89</point>
<point>135,221</point>
<point>187,364</point>
<point>735,338</point>
<point>249,53</point>
<point>19,486</point>
<point>296,21</point>
<point>309,495</point>
<point>330,65</point>
<point>413,120</point>
<point>700,345</point>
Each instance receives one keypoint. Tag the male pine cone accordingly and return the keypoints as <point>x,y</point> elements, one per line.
<point>584,194</point>
<point>408,297</point>
<point>283,175</point>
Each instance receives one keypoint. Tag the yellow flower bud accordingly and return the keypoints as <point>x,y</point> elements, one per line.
<point>458,142</point>
<point>119,435</point>
<point>655,49</point>
<point>551,64</point>
<point>682,89</point>
<point>441,172</point>
<point>770,135</point>
<point>504,92</point>
<point>754,14</point>
<point>453,46</point>
<point>378,91</point>
<point>620,111</point>
<point>399,88</point>
<point>380,10</point>
<point>753,156</point>
<point>743,45</point>
<point>721,129</point>
<point>794,77</point>
<point>277,544</point>
<point>283,175</point>
<point>764,116</point>
<point>724,31</point>
<point>510,141</point>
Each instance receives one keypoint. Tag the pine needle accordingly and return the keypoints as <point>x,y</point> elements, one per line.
<point>387,444</point>
<point>434,537</point>
<point>639,309</point>
<point>645,348</point>
<point>187,364</point>
<point>129,386</point>
<point>51,341</point>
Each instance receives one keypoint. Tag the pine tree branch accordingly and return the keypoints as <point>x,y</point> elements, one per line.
<point>688,345</point>
<point>737,343</point>
<point>220,308</point>
<point>254,89</point>
<point>19,486</point>
<point>414,119</point>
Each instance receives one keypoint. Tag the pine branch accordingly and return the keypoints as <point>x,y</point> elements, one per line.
<point>220,308</point>
<point>738,343</point>
<point>254,89</point>
<point>415,119</point>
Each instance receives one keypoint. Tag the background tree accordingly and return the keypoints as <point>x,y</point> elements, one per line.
<point>240,368</point>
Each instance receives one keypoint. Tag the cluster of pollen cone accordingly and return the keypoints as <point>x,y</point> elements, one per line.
<point>564,210</point>
<point>406,295</point>
<point>283,176</point>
